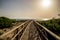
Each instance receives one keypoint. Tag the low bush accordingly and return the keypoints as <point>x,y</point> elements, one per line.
<point>5,22</point>
<point>53,25</point>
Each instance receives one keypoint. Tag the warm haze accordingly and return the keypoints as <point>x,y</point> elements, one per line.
<point>30,9</point>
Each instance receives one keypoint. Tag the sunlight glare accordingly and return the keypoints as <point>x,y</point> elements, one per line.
<point>46,19</point>
<point>46,3</point>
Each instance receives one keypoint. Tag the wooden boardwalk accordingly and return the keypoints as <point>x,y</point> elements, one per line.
<point>30,30</point>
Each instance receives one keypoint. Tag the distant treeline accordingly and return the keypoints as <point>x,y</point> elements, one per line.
<point>53,25</point>
<point>5,22</point>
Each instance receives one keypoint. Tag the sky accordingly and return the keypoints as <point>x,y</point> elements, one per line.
<point>29,9</point>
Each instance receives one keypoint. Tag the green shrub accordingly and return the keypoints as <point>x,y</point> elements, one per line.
<point>5,22</point>
<point>53,25</point>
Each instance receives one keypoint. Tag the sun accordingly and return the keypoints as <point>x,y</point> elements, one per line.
<point>45,3</point>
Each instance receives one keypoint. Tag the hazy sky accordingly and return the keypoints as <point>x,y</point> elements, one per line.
<point>28,9</point>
